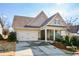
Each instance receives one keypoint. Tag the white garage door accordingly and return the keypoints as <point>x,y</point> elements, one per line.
<point>27,35</point>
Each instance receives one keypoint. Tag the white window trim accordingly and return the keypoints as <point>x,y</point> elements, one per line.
<point>56,22</point>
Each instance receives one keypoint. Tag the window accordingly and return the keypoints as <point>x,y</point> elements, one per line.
<point>56,22</point>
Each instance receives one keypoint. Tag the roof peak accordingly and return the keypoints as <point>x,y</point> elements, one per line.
<point>57,13</point>
<point>42,13</point>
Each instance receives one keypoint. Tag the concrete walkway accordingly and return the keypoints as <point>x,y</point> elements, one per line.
<point>32,49</point>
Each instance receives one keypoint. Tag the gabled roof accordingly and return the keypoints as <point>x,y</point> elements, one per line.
<point>40,20</point>
<point>21,21</point>
<point>50,18</point>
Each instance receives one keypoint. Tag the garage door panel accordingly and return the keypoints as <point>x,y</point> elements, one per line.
<point>27,35</point>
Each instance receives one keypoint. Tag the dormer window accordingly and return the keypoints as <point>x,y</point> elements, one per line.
<point>56,22</point>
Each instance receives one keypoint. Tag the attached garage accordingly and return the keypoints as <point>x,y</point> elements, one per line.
<point>27,35</point>
<point>28,28</point>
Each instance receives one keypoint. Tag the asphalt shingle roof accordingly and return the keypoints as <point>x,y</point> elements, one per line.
<point>34,22</point>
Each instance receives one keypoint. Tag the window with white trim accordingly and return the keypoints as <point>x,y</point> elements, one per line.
<point>56,22</point>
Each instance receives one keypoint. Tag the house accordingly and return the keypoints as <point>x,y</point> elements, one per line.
<point>74,30</point>
<point>40,27</point>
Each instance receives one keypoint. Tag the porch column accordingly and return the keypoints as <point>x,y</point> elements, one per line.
<point>54,35</point>
<point>45,35</point>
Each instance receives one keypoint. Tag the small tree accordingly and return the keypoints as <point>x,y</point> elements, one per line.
<point>3,21</point>
<point>72,24</point>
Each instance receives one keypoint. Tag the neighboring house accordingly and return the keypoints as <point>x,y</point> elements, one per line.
<point>74,30</point>
<point>40,27</point>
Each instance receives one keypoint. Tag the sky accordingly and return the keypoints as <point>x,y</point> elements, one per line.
<point>67,10</point>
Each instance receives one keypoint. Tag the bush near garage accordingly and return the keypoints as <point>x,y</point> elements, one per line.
<point>1,38</point>
<point>12,37</point>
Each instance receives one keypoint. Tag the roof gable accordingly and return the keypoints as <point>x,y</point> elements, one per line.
<point>57,20</point>
<point>21,21</point>
<point>50,20</point>
<point>39,19</point>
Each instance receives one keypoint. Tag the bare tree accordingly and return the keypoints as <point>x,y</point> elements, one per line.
<point>72,25</point>
<point>3,22</point>
<point>72,21</point>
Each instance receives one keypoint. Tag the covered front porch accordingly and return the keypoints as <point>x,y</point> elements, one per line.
<point>50,33</point>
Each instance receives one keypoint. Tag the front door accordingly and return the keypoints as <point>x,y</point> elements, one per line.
<point>51,34</point>
<point>42,34</point>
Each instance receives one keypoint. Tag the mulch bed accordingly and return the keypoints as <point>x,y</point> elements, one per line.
<point>60,45</point>
<point>9,48</point>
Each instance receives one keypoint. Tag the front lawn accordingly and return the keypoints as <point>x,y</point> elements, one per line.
<point>7,48</point>
<point>8,45</point>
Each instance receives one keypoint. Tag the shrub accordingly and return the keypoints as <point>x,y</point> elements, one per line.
<point>12,37</point>
<point>77,43</point>
<point>60,39</point>
<point>66,37</point>
<point>67,41</point>
<point>74,41</point>
<point>1,37</point>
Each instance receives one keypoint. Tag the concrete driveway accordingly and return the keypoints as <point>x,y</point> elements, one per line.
<point>37,49</point>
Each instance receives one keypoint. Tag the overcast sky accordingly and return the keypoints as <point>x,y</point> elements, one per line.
<point>67,11</point>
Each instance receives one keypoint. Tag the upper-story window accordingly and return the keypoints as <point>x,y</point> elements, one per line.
<point>56,22</point>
